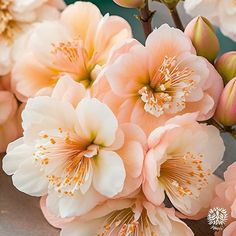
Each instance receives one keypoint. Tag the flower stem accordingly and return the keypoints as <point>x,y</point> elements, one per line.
<point>175,16</point>
<point>223,129</point>
<point>145,18</point>
<point>213,122</point>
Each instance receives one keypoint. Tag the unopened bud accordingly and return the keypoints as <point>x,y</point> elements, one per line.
<point>226,110</point>
<point>130,3</point>
<point>203,37</point>
<point>226,66</point>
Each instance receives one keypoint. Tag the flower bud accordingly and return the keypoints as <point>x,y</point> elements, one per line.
<point>130,3</point>
<point>226,110</point>
<point>226,66</point>
<point>203,37</point>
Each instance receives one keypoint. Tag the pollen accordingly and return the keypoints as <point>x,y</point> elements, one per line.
<point>184,175</point>
<point>7,23</point>
<point>62,155</point>
<point>52,141</point>
<point>70,57</point>
<point>168,89</point>
<point>123,222</point>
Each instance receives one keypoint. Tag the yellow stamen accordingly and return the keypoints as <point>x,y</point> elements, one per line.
<point>168,88</point>
<point>123,222</point>
<point>71,152</point>
<point>184,175</point>
<point>7,22</point>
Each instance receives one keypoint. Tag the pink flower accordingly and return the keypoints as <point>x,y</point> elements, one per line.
<point>17,18</point>
<point>225,197</point>
<point>9,127</point>
<point>79,50</point>
<point>180,162</point>
<point>77,155</point>
<point>130,216</point>
<point>163,79</point>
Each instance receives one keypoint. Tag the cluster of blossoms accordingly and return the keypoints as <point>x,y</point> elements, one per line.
<point>222,13</point>
<point>112,127</point>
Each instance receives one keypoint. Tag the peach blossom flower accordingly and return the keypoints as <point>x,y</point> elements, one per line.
<point>163,79</point>
<point>69,47</point>
<point>130,216</point>
<point>222,13</point>
<point>17,18</point>
<point>225,197</point>
<point>9,129</point>
<point>78,155</point>
<point>180,162</point>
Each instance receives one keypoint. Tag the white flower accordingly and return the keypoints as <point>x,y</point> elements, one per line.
<point>68,153</point>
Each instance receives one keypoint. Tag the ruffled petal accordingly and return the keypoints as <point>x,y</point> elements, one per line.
<point>68,90</point>
<point>17,153</point>
<point>46,113</point>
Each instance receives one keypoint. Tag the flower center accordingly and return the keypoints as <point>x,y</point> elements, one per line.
<point>66,158</point>
<point>184,175</point>
<point>7,23</point>
<point>168,88</point>
<point>72,57</point>
<point>123,223</point>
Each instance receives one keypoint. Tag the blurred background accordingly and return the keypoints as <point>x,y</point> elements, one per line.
<point>162,16</point>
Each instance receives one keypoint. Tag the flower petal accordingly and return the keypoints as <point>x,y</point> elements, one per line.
<point>44,36</point>
<point>56,222</point>
<point>96,122</point>
<point>68,90</point>
<point>82,19</point>
<point>28,67</point>
<point>109,173</point>
<point>81,228</point>
<point>30,179</point>
<point>160,44</point>
<point>17,153</point>
<point>76,205</point>
<point>119,30</point>
<point>135,77</point>
<point>46,113</point>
